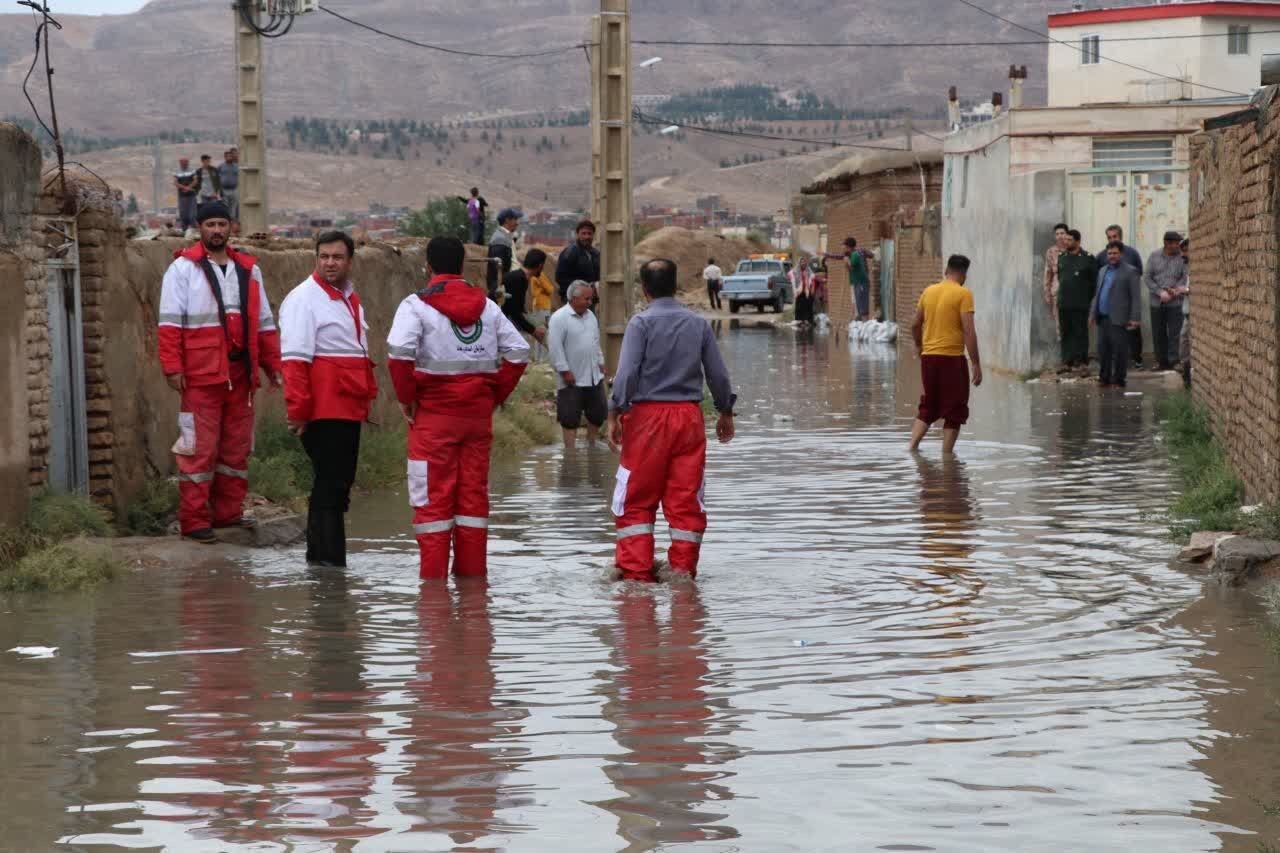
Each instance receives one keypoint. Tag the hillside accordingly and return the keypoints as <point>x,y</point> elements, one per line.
<point>170,65</point>
<point>519,170</point>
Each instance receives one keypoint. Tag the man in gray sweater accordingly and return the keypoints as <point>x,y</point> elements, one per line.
<point>1117,307</point>
<point>1166,282</point>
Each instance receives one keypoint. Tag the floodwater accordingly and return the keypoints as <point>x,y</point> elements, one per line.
<point>881,653</point>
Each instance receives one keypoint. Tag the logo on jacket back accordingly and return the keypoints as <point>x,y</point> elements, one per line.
<point>469,335</point>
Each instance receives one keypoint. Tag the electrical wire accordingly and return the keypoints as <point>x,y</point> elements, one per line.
<point>450,50</point>
<point>921,44</point>
<point>276,27</point>
<point>1081,50</point>
<point>44,22</point>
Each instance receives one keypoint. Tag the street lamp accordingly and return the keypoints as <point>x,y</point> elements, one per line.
<point>650,62</point>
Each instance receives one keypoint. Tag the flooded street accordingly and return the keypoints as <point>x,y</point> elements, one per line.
<point>881,653</point>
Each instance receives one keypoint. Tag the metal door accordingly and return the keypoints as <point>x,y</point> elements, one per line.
<point>68,427</point>
<point>888,298</point>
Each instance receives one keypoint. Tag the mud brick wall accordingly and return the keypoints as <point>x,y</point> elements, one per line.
<point>869,210</point>
<point>1234,278</point>
<point>917,264</point>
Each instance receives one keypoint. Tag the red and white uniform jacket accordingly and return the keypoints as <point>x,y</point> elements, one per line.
<point>453,350</point>
<point>193,341</point>
<point>327,371</point>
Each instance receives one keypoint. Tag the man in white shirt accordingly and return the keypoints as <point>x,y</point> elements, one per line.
<point>713,276</point>
<point>574,338</point>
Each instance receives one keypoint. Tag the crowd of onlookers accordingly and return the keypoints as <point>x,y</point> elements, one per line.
<point>208,183</point>
<point>1107,293</point>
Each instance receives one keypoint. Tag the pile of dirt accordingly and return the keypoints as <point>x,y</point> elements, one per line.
<point>690,250</point>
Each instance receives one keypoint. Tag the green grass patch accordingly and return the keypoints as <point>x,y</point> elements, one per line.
<point>527,419</point>
<point>1211,492</point>
<point>49,553</point>
<point>152,511</point>
<point>56,516</point>
<point>60,568</point>
<point>382,456</point>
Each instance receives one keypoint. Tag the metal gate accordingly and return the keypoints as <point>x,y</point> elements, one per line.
<point>888,299</point>
<point>1146,203</point>
<point>68,427</point>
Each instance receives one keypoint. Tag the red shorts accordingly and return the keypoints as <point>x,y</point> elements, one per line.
<point>946,390</point>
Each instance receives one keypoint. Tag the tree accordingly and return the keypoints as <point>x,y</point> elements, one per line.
<point>442,217</point>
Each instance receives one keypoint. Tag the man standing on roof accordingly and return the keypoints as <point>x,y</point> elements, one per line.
<point>216,331</point>
<point>328,385</point>
<point>454,358</point>
<point>655,417</point>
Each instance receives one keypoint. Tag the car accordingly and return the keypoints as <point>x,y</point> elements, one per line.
<point>760,280</point>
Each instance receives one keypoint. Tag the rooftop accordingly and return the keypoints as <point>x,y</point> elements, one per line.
<point>1158,11</point>
<point>874,162</point>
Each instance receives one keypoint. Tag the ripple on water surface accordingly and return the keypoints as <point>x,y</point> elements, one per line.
<point>883,652</point>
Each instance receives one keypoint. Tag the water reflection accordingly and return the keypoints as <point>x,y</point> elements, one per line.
<point>662,720</point>
<point>457,764</point>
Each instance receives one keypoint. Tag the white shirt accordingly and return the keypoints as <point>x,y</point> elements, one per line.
<point>712,273</point>
<point>312,324</point>
<point>574,340</point>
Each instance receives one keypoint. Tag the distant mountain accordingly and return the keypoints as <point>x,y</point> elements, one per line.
<point>170,65</point>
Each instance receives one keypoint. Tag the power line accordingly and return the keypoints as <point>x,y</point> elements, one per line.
<point>450,50</point>
<point>922,44</point>
<point>1082,50</point>
<point>833,142</point>
<point>42,32</point>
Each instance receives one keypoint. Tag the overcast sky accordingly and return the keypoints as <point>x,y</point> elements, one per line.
<point>94,7</point>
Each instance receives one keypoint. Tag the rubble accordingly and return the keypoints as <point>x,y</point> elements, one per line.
<point>1241,560</point>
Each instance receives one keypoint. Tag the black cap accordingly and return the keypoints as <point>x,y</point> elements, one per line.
<point>1172,237</point>
<point>213,210</point>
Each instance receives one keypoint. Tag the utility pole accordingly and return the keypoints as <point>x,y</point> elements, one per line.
<point>252,140</point>
<point>909,128</point>
<point>611,168</point>
<point>157,179</point>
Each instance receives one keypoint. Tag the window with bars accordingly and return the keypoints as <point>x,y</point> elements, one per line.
<point>1238,39</point>
<point>1089,50</point>
<point>1149,156</point>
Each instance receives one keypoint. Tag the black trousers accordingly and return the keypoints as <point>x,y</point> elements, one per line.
<point>1073,323</point>
<point>334,448</point>
<point>713,294</point>
<point>1135,346</point>
<point>1166,332</point>
<point>1113,352</point>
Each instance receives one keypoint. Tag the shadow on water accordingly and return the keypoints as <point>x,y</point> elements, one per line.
<point>883,651</point>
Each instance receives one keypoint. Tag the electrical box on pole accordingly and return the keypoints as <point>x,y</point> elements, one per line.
<point>611,168</point>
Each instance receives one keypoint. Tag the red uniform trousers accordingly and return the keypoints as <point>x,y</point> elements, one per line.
<point>449,491</point>
<point>664,458</point>
<point>216,477</point>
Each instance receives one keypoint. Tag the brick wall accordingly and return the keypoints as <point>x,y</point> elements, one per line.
<point>917,263</point>
<point>1234,278</point>
<point>869,210</point>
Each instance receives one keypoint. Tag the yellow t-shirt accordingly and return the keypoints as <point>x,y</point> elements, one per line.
<point>540,289</point>
<point>943,304</point>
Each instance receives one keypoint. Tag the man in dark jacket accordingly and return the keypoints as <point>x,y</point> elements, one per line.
<point>1116,308</point>
<point>502,246</point>
<point>516,284</point>
<point>579,262</point>
<point>1132,257</point>
<point>1077,278</point>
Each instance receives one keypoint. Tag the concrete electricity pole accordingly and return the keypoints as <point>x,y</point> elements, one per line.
<point>611,168</point>
<point>252,139</point>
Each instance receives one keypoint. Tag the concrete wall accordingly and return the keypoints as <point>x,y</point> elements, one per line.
<point>1234,278</point>
<point>1202,60</point>
<point>20,272</point>
<point>1000,223</point>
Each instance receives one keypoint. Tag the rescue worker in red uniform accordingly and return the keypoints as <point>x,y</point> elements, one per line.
<point>216,331</point>
<point>454,357</point>
<point>328,386</point>
<point>655,419</point>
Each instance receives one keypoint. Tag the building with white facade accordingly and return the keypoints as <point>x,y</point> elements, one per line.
<point>1127,87</point>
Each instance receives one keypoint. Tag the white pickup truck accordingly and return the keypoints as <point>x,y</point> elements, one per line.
<point>759,281</point>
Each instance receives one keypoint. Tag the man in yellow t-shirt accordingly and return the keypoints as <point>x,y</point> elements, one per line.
<point>943,330</point>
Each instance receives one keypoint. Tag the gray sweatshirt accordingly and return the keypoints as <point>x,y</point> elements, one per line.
<point>668,353</point>
<point>1165,272</point>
